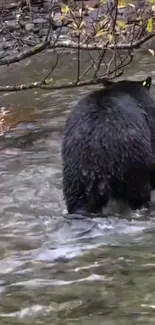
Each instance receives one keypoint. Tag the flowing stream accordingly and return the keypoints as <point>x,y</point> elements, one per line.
<point>54,270</point>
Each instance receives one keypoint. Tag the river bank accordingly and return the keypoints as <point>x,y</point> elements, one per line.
<point>23,27</point>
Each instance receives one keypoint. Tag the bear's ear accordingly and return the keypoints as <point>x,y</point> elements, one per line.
<point>147,82</point>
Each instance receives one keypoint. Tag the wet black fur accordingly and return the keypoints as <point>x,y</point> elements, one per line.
<point>107,148</point>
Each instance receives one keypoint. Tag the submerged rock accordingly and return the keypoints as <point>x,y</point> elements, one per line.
<point>29,26</point>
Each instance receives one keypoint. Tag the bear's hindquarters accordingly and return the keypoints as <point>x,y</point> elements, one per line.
<point>84,194</point>
<point>88,187</point>
<point>106,154</point>
<point>137,188</point>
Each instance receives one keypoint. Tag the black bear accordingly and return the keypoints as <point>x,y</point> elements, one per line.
<point>107,148</point>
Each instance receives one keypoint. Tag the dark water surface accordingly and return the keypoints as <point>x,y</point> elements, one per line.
<point>55,271</point>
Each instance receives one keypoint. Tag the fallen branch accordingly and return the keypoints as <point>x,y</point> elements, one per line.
<point>43,85</point>
<point>93,47</point>
<point>26,54</point>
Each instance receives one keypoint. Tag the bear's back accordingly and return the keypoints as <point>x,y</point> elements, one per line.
<point>116,103</point>
<point>107,121</point>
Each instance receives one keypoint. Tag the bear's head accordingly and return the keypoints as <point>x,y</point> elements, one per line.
<point>145,83</point>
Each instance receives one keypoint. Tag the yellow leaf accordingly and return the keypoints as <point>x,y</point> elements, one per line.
<point>150,25</point>
<point>99,33</point>
<point>139,19</point>
<point>119,7</point>
<point>102,2</point>
<point>110,37</point>
<point>90,9</point>
<point>65,9</point>
<point>61,18</point>
<point>48,81</point>
<point>151,51</point>
<point>82,24</point>
<point>121,24</point>
<point>98,27</point>
<point>74,25</point>
<point>121,3</point>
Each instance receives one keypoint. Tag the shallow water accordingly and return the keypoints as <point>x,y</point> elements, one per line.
<point>55,270</point>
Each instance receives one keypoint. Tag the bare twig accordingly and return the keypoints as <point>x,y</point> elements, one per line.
<point>93,64</point>
<point>114,19</point>
<point>101,56</point>
<point>78,59</point>
<point>53,67</point>
<point>57,57</point>
<point>93,47</point>
<point>26,54</point>
<point>45,86</point>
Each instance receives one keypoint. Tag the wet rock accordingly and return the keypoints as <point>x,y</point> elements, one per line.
<point>12,25</point>
<point>56,19</point>
<point>39,21</point>
<point>36,30</point>
<point>17,33</point>
<point>47,5</point>
<point>7,45</point>
<point>29,27</point>
<point>42,32</point>
<point>64,30</point>
<point>127,13</point>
